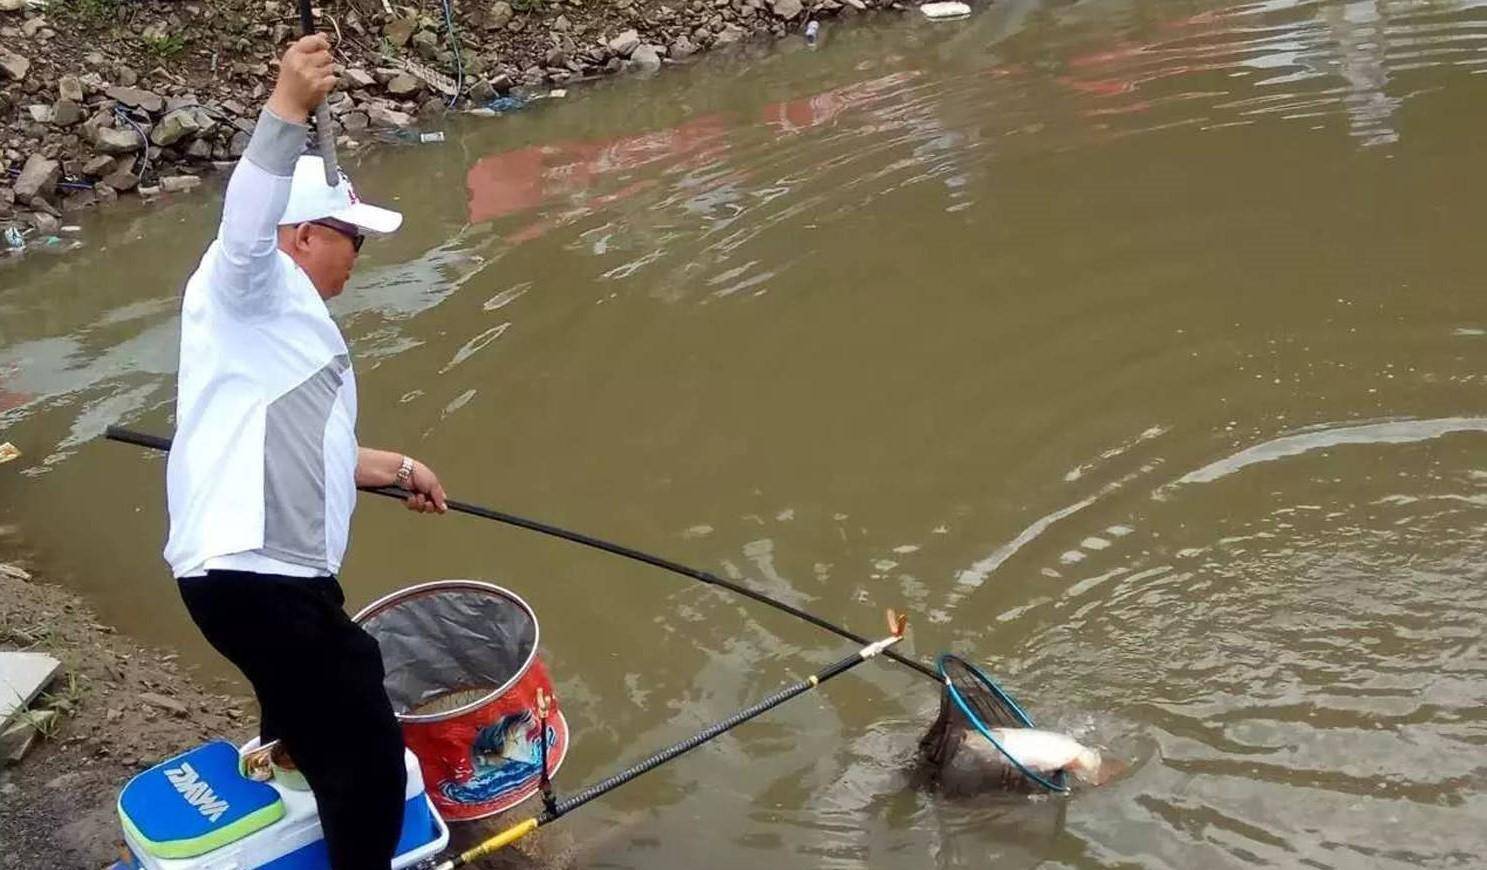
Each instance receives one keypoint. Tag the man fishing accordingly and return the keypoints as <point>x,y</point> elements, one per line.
<point>262,477</point>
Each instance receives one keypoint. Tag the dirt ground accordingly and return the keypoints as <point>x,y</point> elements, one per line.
<point>124,707</point>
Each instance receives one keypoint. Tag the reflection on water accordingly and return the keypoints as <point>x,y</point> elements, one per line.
<point>1132,346</point>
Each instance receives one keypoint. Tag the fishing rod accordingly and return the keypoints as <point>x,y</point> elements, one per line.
<point>155,442</point>
<point>556,809</point>
<point>325,132</point>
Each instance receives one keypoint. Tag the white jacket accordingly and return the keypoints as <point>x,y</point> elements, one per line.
<point>261,476</point>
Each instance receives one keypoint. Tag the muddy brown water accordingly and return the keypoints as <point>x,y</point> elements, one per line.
<point>1135,348</point>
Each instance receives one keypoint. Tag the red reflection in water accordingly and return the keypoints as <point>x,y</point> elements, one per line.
<point>525,178</point>
<point>9,399</point>
<point>514,181</point>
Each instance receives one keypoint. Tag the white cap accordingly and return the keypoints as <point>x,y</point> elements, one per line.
<point>311,199</point>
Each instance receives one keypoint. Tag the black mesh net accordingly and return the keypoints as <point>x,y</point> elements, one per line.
<point>450,643</point>
<point>942,761</point>
<point>991,707</point>
<point>940,743</point>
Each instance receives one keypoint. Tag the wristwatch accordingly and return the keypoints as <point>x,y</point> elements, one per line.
<point>405,473</point>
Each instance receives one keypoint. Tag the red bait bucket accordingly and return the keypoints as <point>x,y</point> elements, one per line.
<point>463,675</point>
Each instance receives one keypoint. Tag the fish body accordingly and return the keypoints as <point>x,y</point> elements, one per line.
<point>959,760</point>
<point>976,765</point>
<point>1045,751</point>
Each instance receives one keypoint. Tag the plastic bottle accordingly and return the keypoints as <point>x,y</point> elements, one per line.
<point>812,30</point>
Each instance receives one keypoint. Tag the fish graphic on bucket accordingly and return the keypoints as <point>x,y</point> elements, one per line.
<point>465,678</point>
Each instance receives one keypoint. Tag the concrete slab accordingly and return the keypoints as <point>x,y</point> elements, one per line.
<point>22,677</point>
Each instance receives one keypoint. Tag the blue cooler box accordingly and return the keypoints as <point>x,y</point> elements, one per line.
<point>198,812</point>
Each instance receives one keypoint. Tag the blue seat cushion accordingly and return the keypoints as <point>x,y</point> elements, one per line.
<point>196,802</point>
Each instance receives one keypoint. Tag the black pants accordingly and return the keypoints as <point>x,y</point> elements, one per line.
<point>318,678</point>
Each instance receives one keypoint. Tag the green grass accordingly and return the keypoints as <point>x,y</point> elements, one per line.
<point>164,47</point>
<point>66,694</point>
<point>23,637</point>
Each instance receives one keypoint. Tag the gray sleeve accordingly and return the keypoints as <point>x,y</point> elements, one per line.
<point>247,264</point>
<point>276,144</point>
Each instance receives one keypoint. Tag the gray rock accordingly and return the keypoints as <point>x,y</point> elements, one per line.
<point>70,88</point>
<point>404,85</point>
<point>137,98</point>
<point>499,16</point>
<point>112,140</point>
<point>682,48</point>
<point>482,92</point>
<point>39,113</point>
<point>154,699</point>
<point>121,179</point>
<point>646,58</point>
<point>351,122</point>
<point>42,204</point>
<point>46,223</point>
<point>358,78</point>
<point>66,113</point>
<point>13,65</point>
<point>626,43</point>
<point>79,200</point>
<point>398,30</point>
<point>38,177</point>
<point>502,83</point>
<point>100,166</point>
<point>126,76</point>
<point>562,25</point>
<point>178,184</point>
<point>199,149</point>
<point>175,126</point>
<point>239,144</point>
<point>728,36</point>
<point>786,9</point>
<point>382,116</point>
<point>427,45</point>
<point>105,193</point>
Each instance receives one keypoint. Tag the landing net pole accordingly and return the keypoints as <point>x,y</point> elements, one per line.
<point>568,804</point>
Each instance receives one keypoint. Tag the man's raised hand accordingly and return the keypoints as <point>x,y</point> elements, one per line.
<point>305,77</point>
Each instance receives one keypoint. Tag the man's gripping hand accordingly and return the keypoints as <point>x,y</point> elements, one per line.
<point>305,77</point>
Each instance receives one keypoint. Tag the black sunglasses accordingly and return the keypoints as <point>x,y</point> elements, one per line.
<point>350,232</point>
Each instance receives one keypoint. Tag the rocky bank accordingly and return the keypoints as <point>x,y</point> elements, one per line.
<point>105,98</point>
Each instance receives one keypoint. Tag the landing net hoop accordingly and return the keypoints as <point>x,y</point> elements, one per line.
<point>980,699</point>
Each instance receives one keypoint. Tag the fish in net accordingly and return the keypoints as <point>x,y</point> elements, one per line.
<point>983,741</point>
